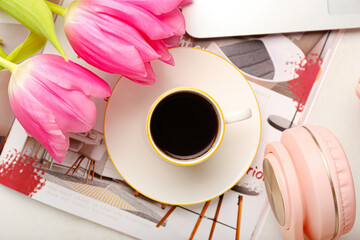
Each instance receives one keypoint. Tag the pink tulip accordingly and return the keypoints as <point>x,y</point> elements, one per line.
<point>51,97</point>
<point>124,36</point>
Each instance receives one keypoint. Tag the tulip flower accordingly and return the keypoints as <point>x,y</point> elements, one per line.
<point>123,36</point>
<point>50,97</point>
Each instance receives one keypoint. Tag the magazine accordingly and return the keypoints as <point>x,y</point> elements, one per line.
<point>285,72</point>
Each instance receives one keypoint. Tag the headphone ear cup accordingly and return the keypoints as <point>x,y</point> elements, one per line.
<point>341,176</point>
<point>283,190</point>
<point>315,153</point>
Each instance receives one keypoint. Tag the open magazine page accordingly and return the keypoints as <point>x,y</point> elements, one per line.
<point>285,72</point>
<point>281,70</point>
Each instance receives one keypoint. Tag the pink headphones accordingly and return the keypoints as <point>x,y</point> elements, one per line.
<point>309,184</point>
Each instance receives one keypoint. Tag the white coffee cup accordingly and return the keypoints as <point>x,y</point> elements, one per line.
<point>222,120</point>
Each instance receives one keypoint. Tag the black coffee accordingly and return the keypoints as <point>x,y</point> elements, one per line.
<point>184,125</point>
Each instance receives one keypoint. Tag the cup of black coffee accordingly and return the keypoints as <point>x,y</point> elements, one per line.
<point>185,126</point>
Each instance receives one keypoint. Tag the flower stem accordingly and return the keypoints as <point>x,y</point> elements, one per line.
<point>60,10</point>
<point>7,64</point>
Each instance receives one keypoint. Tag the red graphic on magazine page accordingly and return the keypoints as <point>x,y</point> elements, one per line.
<point>18,172</point>
<point>306,73</point>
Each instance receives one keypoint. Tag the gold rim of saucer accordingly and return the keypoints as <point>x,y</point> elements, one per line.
<point>216,195</point>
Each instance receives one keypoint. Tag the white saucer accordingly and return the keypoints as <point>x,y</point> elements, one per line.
<point>139,164</point>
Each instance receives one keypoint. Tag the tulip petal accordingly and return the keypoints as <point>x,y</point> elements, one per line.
<point>157,7</point>
<point>172,41</point>
<point>133,15</point>
<point>39,123</point>
<point>150,78</point>
<point>162,49</point>
<point>101,49</point>
<point>55,69</point>
<point>73,111</point>
<point>185,2</point>
<point>117,28</point>
<point>175,21</point>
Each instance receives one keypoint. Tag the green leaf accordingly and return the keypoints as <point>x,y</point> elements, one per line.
<point>2,52</point>
<point>36,16</point>
<point>32,44</point>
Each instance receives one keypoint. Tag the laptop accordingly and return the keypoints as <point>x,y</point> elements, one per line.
<point>221,18</point>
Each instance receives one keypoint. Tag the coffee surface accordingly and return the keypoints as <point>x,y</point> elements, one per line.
<point>184,125</point>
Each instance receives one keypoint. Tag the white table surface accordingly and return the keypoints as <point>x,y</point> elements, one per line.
<point>336,108</point>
